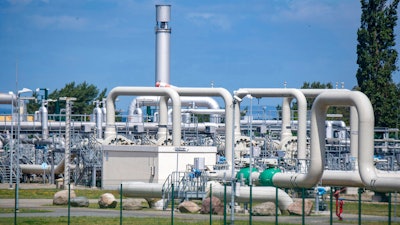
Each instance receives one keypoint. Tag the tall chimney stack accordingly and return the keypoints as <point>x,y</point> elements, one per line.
<point>163,34</point>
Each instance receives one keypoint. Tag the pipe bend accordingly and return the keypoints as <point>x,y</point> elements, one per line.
<point>150,91</point>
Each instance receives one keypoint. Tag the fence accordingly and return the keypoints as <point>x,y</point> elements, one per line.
<point>35,201</point>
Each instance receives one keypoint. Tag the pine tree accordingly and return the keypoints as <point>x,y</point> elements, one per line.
<point>377,59</point>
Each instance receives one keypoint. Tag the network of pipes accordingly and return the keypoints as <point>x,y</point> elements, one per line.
<point>182,137</point>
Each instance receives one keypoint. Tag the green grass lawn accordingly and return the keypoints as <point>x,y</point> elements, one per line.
<point>49,193</point>
<point>112,221</point>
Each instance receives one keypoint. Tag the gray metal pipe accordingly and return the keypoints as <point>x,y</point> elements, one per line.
<point>151,91</point>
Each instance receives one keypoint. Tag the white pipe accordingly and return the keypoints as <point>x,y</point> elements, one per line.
<point>163,132</point>
<point>283,92</point>
<point>259,194</point>
<point>342,178</point>
<point>368,172</point>
<point>337,177</point>
<point>142,190</point>
<point>38,169</point>
<point>153,91</point>
<point>285,130</point>
<point>8,99</point>
<point>44,120</point>
<point>228,100</point>
<point>98,121</point>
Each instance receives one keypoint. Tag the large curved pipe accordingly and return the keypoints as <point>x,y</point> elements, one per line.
<point>282,92</point>
<point>151,91</point>
<point>337,177</point>
<point>228,100</point>
<point>365,113</point>
<point>260,194</point>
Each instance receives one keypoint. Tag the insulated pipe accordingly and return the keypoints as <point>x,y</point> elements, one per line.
<point>152,91</point>
<point>44,120</point>
<point>368,172</point>
<point>8,99</point>
<point>163,120</point>
<point>142,190</point>
<point>98,120</point>
<point>336,177</point>
<point>227,97</point>
<point>285,130</point>
<point>315,170</point>
<point>282,92</point>
<point>163,34</point>
<point>38,169</point>
<point>259,194</point>
<point>347,178</point>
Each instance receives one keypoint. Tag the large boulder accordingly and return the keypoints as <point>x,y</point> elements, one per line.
<point>188,207</point>
<point>217,206</point>
<point>296,207</point>
<point>61,197</point>
<point>80,201</point>
<point>155,203</point>
<point>265,209</point>
<point>133,204</point>
<point>107,200</point>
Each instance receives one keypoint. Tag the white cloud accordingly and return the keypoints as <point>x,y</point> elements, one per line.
<point>315,11</point>
<point>59,22</point>
<point>204,19</point>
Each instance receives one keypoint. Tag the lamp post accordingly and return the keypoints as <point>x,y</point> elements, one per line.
<point>23,90</point>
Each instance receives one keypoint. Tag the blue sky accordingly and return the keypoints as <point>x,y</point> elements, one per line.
<point>232,44</point>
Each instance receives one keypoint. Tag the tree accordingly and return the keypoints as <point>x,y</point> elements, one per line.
<point>84,93</point>
<point>377,59</point>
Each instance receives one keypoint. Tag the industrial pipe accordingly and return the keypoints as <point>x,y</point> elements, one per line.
<point>228,100</point>
<point>44,119</point>
<point>8,99</point>
<point>282,92</point>
<point>151,91</point>
<point>369,176</point>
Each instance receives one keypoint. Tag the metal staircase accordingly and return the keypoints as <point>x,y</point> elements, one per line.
<point>186,186</point>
